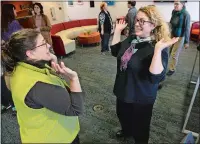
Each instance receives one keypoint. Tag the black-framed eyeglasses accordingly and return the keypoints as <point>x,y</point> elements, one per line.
<point>45,43</point>
<point>141,21</point>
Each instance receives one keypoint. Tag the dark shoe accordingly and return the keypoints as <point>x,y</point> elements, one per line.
<point>14,113</point>
<point>120,134</point>
<point>170,72</point>
<point>103,53</point>
<point>160,86</point>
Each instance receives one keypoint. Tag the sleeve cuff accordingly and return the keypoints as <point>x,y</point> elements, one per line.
<point>115,45</point>
<point>157,75</point>
<point>81,94</point>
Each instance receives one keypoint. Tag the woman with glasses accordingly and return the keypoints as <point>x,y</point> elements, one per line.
<point>141,65</point>
<point>180,25</point>
<point>47,107</point>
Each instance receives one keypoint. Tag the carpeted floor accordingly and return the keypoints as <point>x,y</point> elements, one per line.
<point>97,75</point>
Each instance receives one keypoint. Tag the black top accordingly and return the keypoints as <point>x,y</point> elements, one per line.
<point>137,84</point>
<point>55,98</point>
<point>107,22</point>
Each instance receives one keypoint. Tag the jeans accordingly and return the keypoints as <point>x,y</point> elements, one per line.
<point>105,42</point>
<point>175,51</point>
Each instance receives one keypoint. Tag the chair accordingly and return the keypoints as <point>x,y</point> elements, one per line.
<point>195,32</point>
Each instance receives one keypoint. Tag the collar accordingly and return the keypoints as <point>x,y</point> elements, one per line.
<point>139,40</point>
<point>131,8</point>
<point>45,70</point>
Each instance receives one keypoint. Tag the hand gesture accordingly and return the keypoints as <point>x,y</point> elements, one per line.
<point>63,70</point>
<point>37,29</point>
<point>120,25</point>
<point>162,44</point>
<point>2,42</point>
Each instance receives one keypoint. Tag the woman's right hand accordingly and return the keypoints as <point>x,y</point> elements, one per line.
<point>120,25</point>
<point>65,71</point>
<point>37,29</point>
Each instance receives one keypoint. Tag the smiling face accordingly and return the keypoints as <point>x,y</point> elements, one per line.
<point>143,26</point>
<point>37,9</point>
<point>41,50</point>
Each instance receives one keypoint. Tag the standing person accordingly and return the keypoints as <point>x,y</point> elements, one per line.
<point>47,107</point>
<point>41,22</point>
<point>9,25</point>
<point>130,17</point>
<point>141,64</point>
<point>180,25</point>
<point>105,27</point>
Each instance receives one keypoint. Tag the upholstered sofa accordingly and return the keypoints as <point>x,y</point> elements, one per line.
<point>63,34</point>
<point>195,31</point>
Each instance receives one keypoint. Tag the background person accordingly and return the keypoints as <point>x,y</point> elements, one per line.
<point>105,27</point>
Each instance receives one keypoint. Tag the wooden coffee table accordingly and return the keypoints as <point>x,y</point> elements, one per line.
<point>88,39</point>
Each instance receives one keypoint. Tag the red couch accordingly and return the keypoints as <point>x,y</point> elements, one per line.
<point>59,37</point>
<point>195,31</point>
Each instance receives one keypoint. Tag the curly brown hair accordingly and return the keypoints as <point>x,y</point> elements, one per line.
<point>161,29</point>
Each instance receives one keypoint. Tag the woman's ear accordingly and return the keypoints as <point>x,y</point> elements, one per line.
<point>153,26</point>
<point>29,54</point>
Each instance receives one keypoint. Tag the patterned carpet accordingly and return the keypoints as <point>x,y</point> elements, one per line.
<point>97,75</point>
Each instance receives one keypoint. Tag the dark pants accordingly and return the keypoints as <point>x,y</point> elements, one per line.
<point>76,140</point>
<point>6,97</point>
<point>135,120</point>
<point>105,42</point>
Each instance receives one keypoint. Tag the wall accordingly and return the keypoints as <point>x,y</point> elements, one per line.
<point>119,9</point>
<point>60,13</point>
<point>17,3</point>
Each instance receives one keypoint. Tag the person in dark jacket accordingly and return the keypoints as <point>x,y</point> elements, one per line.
<point>105,27</point>
<point>141,64</point>
<point>130,17</point>
<point>180,25</point>
<point>9,25</point>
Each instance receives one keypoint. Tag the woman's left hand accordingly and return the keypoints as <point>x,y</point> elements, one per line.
<point>162,44</point>
<point>37,29</point>
<point>65,71</point>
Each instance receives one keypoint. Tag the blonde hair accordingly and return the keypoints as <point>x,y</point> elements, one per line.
<point>102,5</point>
<point>161,29</point>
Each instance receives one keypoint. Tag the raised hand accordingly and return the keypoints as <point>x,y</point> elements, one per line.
<point>65,71</point>
<point>120,25</point>
<point>162,44</point>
